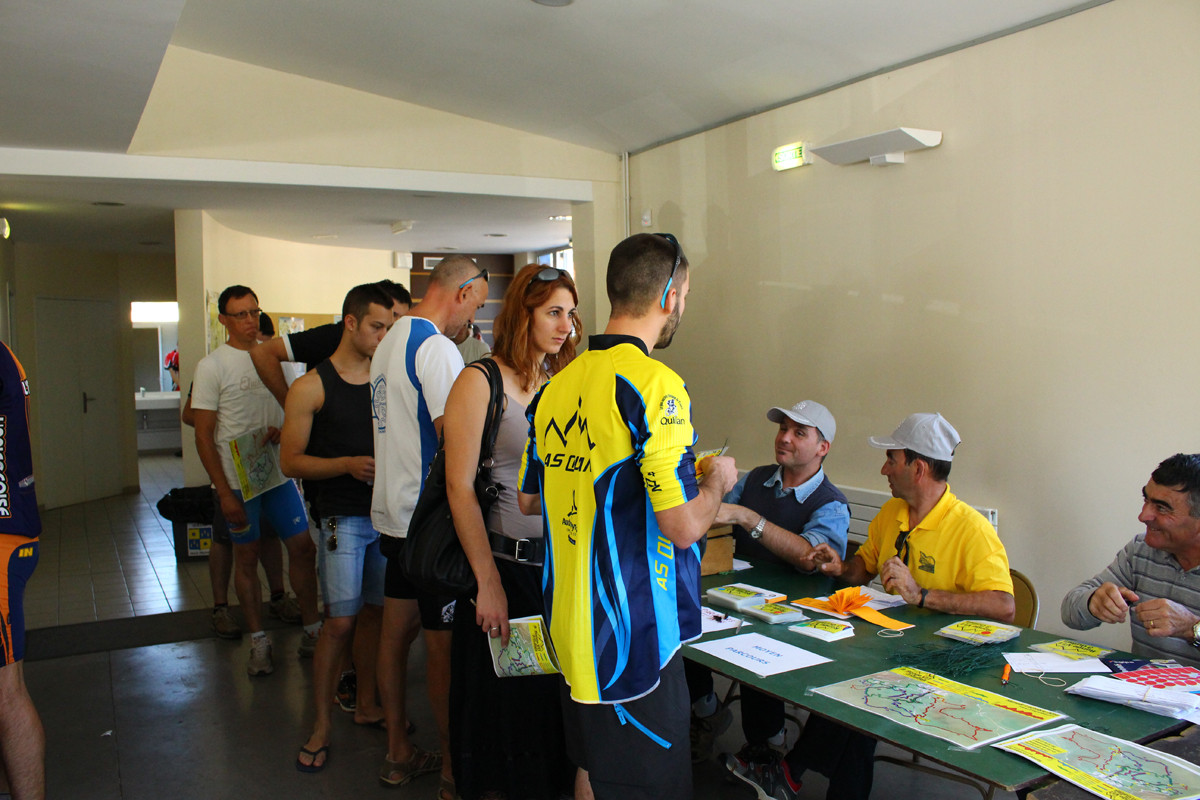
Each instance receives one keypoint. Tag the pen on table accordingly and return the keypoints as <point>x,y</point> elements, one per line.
<point>1007,673</point>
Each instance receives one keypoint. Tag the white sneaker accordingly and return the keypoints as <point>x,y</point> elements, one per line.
<point>260,657</point>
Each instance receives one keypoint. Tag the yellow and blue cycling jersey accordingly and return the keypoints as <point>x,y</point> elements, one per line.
<point>610,443</point>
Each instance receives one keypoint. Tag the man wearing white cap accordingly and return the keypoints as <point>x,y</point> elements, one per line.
<point>930,548</point>
<point>780,512</point>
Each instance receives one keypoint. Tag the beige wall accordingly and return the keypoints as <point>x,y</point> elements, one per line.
<point>61,272</point>
<point>1034,278</point>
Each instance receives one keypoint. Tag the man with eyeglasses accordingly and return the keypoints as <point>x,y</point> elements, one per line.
<point>229,401</point>
<point>411,374</point>
<point>930,548</point>
<point>610,461</point>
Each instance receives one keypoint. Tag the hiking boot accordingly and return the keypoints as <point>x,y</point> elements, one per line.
<point>308,644</point>
<point>285,609</point>
<point>224,624</point>
<point>705,730</point>
<point>346,695</point>
<point>771,780</point>
<point>260,657</point>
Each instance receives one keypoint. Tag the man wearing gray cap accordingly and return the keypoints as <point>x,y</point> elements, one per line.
<point>780,512</point>
<point>930,548</point>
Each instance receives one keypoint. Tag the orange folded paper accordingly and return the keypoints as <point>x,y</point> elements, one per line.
<point>851,601</point>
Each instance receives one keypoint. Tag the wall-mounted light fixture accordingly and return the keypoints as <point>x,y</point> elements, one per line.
<point>790,156</point>
<point>5,229</point>
<point>881,149</point>
<point>402,226</point>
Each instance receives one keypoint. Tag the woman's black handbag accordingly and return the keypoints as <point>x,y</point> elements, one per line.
<point>432,556</point>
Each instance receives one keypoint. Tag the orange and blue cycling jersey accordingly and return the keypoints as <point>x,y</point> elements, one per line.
<point>18,503</point>
<point>610,444</point>
<point>19,520</point>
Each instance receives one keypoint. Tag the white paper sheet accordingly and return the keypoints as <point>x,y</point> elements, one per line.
<point>1052,662</point>
<point>760,654</point>
<point>713,620</point>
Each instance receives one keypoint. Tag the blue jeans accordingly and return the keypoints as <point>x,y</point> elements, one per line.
<point>352,574</point>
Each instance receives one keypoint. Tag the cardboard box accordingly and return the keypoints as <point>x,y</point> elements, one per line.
<point>192,540</point>
<point>718,555</point>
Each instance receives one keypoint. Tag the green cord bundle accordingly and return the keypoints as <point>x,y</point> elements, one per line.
<point>951,660</point>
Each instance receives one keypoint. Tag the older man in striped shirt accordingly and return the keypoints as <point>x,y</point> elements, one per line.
<point>1157,574</point>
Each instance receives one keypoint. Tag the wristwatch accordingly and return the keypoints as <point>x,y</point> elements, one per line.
<point>1196,635</point>
<point>757,531</point>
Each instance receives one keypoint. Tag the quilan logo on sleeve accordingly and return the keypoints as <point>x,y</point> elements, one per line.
<point>671,408</point>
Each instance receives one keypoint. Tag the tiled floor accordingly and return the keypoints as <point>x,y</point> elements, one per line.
<point>183,720</point>
<point>115,558</point>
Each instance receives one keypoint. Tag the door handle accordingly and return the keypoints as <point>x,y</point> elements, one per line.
<point>86,398</point>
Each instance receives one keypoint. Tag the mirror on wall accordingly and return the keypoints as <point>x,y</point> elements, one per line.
<point>155,337</point>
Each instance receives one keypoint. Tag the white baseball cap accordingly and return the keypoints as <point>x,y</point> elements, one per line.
<point>810,413</point>
<point>928,434</point>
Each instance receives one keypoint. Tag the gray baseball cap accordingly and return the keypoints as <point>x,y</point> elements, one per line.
<point>928,434</point>
<point>807,412</point>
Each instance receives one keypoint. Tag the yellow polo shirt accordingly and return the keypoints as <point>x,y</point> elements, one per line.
<point>953,549</point>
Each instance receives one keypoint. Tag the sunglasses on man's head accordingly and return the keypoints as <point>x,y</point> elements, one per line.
<point>483,273</point>
<point>678,257</point>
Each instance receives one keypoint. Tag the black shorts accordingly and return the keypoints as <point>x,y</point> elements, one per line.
<point>18,558</point>
<point>437,611</point>
<point>624,762</point>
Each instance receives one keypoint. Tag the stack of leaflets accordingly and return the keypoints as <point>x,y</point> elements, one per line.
<point>1167,702</point>
<point>1071,649</point>
<point>740,595</point>
<point>827,630</point>
<point>980,631</point>
<point>529,650</point>
<point>775,613</point>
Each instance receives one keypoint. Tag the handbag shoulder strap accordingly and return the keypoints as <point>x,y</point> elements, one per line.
<point>491,425</point>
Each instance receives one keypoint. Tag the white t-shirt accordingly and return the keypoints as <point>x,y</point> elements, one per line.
<point>411,375</point>
<point>226,382</point>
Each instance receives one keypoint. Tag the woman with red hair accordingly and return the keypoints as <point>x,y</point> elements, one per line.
<point>505,734</point>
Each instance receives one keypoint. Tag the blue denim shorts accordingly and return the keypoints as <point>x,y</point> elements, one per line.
<point>352,574</point>
<point>282,506</point>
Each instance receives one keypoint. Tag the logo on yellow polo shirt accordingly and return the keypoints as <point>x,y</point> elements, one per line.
<point>926,563</point>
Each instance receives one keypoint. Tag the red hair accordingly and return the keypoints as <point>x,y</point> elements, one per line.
<point>510,331</point>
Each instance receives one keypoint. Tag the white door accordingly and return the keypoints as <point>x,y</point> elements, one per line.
<point>76,390</point>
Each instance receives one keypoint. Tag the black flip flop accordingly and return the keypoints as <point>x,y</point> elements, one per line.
<point>314,754</point>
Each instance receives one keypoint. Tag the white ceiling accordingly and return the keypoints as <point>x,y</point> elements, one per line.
<point>616,75</point>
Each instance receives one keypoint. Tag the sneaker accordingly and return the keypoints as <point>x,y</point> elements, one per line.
<point>260,657</point>
<point>308,644</point>
<point>346,695</point>
<point>771,780</point>
<point>285,609</point>
<point>705,730</point>
<point>224,624</point>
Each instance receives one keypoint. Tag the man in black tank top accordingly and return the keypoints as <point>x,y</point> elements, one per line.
<point>327,441</point>
<point>780,512</point>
